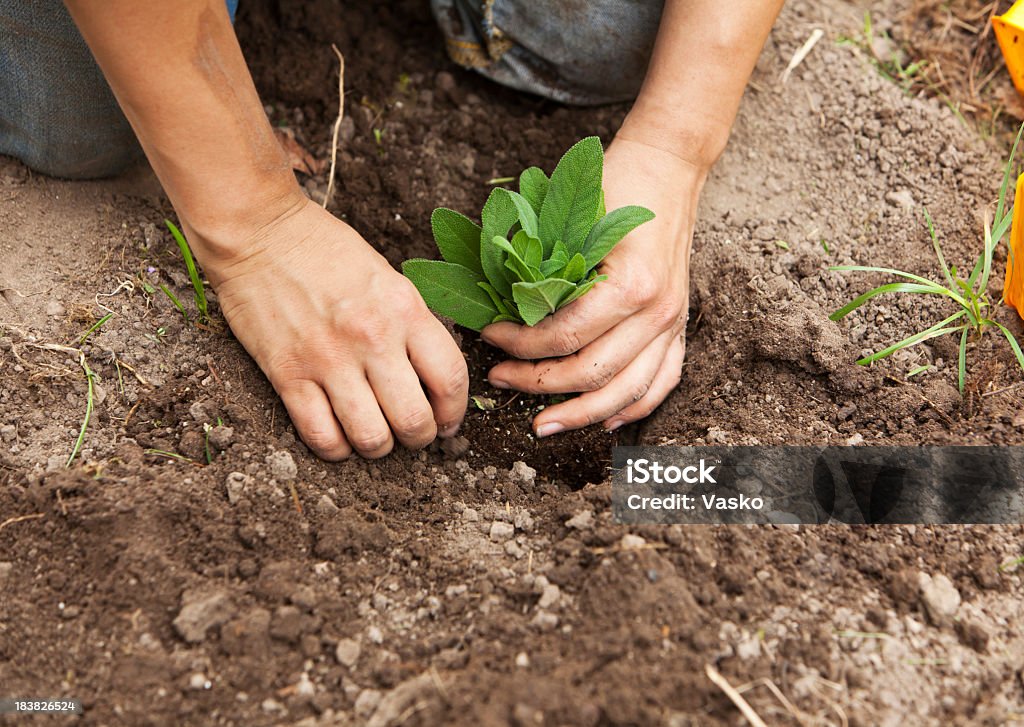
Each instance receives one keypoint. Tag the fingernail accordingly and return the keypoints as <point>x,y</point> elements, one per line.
<point>499,384</point>
<point>613,425</point>
<point>546,430</point>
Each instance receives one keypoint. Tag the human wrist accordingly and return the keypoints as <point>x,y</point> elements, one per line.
<point>696,139</point>
<point>225,228</point>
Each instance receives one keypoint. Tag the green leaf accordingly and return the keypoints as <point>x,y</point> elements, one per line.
<point>501,318</point>
<point>1003,217</point>
<point>521,272</point>
<point>558,259</point>
<point>601,211</point>
<point>198,291</point>
<point>533,184</point>
<point>938,248</point>
<point>581,290</point>
<point>574,196</point>
<point>529,248</point>
<point>497,218</point>
<point>986,256</point>
<point>961,363</point>
<point>457,237</point>
<point>537,300</point>
<point>939,329</point>
<point>451,290</point>
<point>575,269</point>
<point>891,271</point>
<point>887,288</point>
<point>610,229</point>
<point>1013,344</point>
<point>551,268</point>
<point>515,262</point>
<point>527,217</point>
<point>484,403</point>
<point>495,298</point>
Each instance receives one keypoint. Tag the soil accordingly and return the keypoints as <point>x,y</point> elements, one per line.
<point>177,576</point>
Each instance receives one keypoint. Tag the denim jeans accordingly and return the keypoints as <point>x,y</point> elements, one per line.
<point>576,51</point>
<point>58,115</point>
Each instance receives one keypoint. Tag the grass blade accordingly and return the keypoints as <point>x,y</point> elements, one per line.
<point>1002,214</point>
<point>939,329</point>
<point>89,397</point>
<point>938,248</point>
<point>94,327</point>
<point>890,271</point>
<point>1013,344</point>
<point>961,366</point>
<point>193,272</point>
<point>1007,173</point>
<point>174,299</point>
<point>887,288</point>
<point>986,256</point>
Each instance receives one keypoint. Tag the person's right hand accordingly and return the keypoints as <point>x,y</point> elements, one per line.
<point>344,338</point>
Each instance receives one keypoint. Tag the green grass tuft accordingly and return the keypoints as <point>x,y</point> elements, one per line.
<point>193,273</point>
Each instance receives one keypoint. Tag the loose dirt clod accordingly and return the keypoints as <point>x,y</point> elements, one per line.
<point>202,611</point>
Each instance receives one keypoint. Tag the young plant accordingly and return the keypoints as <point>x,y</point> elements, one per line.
<point>199,292</point>
<point>535,251</point>
<point>970,293</point>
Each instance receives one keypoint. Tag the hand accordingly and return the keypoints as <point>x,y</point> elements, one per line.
<point>345,339</point>
<point>621,344</point>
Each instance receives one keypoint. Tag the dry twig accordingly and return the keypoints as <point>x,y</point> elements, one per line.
<point>337,125</point>
<point>741,704</point>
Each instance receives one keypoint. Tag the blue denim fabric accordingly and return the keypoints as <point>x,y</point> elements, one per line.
<point>575,51</point>
<point>57,113</point>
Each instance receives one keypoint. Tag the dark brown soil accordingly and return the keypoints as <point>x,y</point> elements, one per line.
<point>259,585</point>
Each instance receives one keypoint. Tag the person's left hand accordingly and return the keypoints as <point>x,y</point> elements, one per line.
<point>622,343</point>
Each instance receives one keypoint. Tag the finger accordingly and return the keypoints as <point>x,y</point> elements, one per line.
<point>311,413</point>
<point>567,330</point>
<point>631,385</point>
<point>664,383</point>
<point>356,408</point>
<point>587,370</point>
<point>401,397</point>
<point>442,369</point>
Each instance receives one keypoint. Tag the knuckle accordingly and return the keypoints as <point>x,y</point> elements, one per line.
<point>456,381</point>
<point>668,313</point>
<point>641,292</point>
<point>372,443</point>
<point>372,333</point>
<point>597,377</point>
<point>327,444</point>
<point>517,347</point>
<point>406,297</point>
<point>415,423</point>
<point>638,390</point>
<point>566,341</point>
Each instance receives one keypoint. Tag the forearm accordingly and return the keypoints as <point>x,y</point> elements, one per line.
<point>179,75</point>
<point>702,60</point>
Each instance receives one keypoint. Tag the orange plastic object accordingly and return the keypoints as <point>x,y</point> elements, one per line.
<point>1009,30</point>
<point>1013,287</point>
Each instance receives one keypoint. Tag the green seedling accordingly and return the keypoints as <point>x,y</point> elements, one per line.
<point>90,396</point>
<point>535,251</point>
<point>175,301</point>
<point>193,273</point>
<point>970,293</point>
<point>94,327</point>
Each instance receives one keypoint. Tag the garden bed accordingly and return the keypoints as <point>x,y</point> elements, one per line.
<point>260,585</point>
